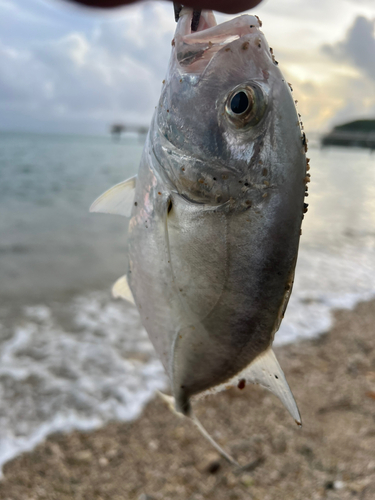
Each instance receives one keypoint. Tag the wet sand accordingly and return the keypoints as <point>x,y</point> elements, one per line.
<point>161,456</point>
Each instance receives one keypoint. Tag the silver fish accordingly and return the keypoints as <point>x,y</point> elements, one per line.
<point>216,211</point>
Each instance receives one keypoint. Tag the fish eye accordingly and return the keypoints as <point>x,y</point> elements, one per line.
<point>245,105</point>
<point>239,103</point>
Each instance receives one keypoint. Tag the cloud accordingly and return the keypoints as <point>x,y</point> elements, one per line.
<point>336,101</point>
<point>334,82</point>
<point>358,47</point>
<point>74,70</point>
<point>364,2</point>
<point>113,72</point>
<point>352,84</point>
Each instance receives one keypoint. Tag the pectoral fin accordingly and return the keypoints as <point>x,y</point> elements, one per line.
<point>121,290</point>
<point>117,200</point>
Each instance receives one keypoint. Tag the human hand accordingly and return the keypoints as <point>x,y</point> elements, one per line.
<point>227,6</point>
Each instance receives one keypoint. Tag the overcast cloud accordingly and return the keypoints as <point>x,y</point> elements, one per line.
<point>358,47</point>
<point>105,73</point>
<point>65,69</point>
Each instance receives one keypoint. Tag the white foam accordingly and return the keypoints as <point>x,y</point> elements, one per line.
<point>327,280</point>
<point>57,379</point>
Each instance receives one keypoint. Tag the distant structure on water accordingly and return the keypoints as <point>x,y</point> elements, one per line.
<point>359,133</point>
<point>119,128</point>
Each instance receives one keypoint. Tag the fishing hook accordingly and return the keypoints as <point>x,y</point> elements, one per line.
<point>195,19</point>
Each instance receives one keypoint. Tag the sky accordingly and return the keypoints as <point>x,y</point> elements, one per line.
<point>68,69</point>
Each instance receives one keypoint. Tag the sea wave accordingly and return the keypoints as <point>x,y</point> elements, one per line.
<point>328,279</point>
<point>73,366</point>
<point>80,364</point>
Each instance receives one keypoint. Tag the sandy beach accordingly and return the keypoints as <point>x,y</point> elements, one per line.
<point>161,456</point>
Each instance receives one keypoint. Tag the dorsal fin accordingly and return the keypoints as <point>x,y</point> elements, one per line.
<point>122,290</point>
<point>117,200</point>
<point>265,371</point>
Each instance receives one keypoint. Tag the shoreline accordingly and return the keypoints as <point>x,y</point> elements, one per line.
<point>163,456</point>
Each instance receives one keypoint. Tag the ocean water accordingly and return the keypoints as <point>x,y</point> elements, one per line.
<point>71,357</point>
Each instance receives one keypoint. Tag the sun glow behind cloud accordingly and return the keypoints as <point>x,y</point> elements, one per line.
<point>325,49</point>
<point>68,69</point>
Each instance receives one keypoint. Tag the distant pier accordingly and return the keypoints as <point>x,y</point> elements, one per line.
<point>119,128</point>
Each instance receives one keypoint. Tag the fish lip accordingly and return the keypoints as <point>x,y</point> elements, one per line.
<point>194,50</point>
<point>207,20</point>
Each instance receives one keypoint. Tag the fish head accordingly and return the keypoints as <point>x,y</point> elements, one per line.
<point>224,109</point>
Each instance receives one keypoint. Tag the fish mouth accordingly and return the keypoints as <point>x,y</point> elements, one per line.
<point>195,49</point>
<point>184,26</point>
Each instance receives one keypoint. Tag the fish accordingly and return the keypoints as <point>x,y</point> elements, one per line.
<point>215,213</point>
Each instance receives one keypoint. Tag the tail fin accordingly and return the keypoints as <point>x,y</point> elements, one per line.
<point>211,440</point>
<point>171,404</point>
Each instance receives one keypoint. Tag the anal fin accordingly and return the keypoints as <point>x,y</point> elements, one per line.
<point>121,290</point>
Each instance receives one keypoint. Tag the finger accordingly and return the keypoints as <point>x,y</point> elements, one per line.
<point>227,6</point>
